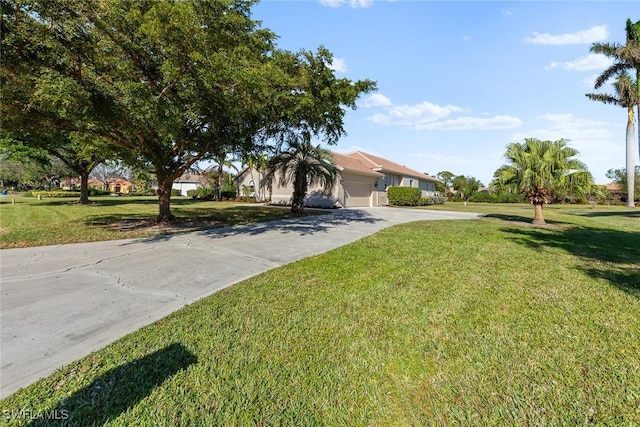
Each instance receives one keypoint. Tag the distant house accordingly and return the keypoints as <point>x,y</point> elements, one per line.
<point>363,181</point>
<point>615,190</point>
<point>189,181</point>
<point>114,186</point>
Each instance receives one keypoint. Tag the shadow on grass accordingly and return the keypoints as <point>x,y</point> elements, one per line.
<point>614,255</point>
<point>122,200</point>
<point>518,218</point>
<point>120,388</point>
<point>197,219</point>
<point>625,214</point>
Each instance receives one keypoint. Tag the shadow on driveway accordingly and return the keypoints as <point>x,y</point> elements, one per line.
<point>308,225</point>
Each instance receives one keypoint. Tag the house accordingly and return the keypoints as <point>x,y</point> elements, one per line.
<point>616,192</point>
<point>363,181</point>
<point>189,181</point>
<point>114,186</point>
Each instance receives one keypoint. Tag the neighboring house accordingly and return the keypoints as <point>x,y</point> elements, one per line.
<point>615,190</point>
<point>115,186</point>
<point>70,183</point>
<point>363,181</point>
<point>189,181</point>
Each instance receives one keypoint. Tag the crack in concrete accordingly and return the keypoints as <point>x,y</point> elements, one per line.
<point>76,267</point>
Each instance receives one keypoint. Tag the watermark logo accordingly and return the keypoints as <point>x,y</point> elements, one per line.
<point>30,414</point>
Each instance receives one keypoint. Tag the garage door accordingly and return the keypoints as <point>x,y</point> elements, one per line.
<point>357,194</point>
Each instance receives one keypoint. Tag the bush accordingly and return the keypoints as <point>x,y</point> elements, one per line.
<point>497,198</point>
<point>97,192</point>
<point>192,193</point>
<point>229,194</point>
<point>404,196</point>
<point>53,194</point>
<point>432,200</point>
<point>175,192</point>
<point>143,192</point>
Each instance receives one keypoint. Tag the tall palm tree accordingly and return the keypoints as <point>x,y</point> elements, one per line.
<point>303,164</point>
<point>626,96</point>
<point>537,168</point>
<point>626,57</point>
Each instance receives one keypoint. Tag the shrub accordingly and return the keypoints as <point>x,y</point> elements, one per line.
<point>432,200</point>
<point>175,192</point>
<point>404,196</point>
<point>497,198</point>
<point>207,193</point>
<point>97,192</point>
<point>53,194</point>
<point>229,194</point>
<point>192,193</point>
<point>143,192</point>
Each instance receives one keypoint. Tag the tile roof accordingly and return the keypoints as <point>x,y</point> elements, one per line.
<point>353,164</point>
<point>383,165</point>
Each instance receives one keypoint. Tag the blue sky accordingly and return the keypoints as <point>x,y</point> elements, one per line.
<point>459,80</point>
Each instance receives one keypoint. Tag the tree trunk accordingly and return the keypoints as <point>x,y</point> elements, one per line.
<point>631,160</point>
<point>299,191</point>
<point>220,181</point>
<point>538,218</point>
<point>84,187</point>
<point>164,199</point>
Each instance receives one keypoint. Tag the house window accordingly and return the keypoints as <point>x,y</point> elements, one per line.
<point>410,183</point>
<point>388,182</point>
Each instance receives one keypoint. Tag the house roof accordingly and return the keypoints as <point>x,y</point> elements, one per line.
<point>614,187</point>
<point>193,177</point>
<point>381,164</point>
<point>353,164</point>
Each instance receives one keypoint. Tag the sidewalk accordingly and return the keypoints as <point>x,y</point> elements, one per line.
<point>59,303</point>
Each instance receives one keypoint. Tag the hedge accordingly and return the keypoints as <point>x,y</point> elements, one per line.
<point>404,196</point>
<point>53,194</point>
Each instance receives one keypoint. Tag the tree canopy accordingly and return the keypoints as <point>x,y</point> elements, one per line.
<point>167,82</point>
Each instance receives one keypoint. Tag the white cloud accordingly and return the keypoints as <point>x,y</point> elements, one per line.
<point>350,3</point>
<point>465,38</point>
<point>339,65</point>
<point>429,116</point>
<point>597,141</point>
<point>377,100</point>
<point>593,34</point>
<point>593,61</point>
<point>414,115</point>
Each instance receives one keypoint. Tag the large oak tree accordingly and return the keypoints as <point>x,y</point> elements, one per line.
<point>169,82</point>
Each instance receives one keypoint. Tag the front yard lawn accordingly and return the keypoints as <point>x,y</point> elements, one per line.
<point>32,222</point>
<point>484,322</point>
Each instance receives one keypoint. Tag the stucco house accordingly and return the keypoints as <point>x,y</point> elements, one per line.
<point>115,186</point>
<point>189,181</point>
<point>363,181</point>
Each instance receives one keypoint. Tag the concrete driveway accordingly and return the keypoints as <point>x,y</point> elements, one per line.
<point>59,303</point>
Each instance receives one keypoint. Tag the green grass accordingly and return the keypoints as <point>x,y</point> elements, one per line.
<point>32,222</point>
<point>483,322</point>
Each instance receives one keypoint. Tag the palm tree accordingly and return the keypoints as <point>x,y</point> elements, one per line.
<point>626,57</point>
<point>537,168</point>
<point>260,163</point>
<point>303,164</point>
<point>626,96</point>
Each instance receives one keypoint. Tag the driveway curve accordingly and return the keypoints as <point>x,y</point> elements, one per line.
<point>59,303</point>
